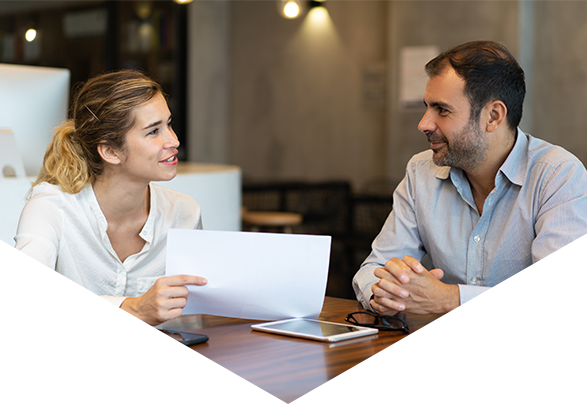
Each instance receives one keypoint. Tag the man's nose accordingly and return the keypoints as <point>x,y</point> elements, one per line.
<point>426,124</point>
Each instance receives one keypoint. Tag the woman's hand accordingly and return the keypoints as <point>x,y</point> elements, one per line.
<point>164,301</point>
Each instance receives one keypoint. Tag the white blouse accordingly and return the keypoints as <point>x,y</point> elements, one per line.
<point>67,232</point>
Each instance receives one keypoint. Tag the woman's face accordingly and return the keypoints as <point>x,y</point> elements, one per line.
<point>150,151</point>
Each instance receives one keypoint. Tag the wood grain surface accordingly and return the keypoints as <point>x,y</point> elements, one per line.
<point>442,360</point>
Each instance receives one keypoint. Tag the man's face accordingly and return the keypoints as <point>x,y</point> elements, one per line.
<point>455,138</point>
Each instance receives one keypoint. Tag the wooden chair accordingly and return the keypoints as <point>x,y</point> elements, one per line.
<point>324,209</point>
<point>281,221</point>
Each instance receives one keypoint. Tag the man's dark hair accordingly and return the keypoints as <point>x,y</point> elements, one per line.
<point>490,73</point>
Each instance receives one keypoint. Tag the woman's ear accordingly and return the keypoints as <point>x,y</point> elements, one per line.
<point>109,154</point>
<point>496,115</point>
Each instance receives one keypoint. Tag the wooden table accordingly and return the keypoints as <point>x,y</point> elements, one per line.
<point>443,360</point>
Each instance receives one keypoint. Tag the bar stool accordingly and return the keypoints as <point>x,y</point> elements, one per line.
<point>283,221</point>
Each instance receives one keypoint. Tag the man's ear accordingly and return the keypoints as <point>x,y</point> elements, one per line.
<point>495,115</point>
<point>109,154</point>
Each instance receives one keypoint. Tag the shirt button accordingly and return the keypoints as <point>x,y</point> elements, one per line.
<point>474,281</point>
<point>476,238</point>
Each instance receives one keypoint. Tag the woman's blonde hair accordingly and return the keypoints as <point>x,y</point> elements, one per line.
<point>102,112</point>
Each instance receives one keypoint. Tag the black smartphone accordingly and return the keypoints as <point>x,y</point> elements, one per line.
<point>169,337</point>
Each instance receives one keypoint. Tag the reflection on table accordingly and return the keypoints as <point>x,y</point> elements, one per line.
<point>443,359</point>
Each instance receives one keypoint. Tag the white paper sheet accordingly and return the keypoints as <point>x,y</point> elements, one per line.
<point>261,276</point>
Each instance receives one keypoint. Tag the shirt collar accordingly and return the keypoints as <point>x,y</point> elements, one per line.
<point>87,194</point>
<point>147,232</point>
<point>513,167</point>
<point>148,229</point>
<point>443,172</point>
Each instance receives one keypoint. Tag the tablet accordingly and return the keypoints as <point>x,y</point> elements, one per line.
<point>314,329</point>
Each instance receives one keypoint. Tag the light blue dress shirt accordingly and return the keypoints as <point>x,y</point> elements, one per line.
<point>538,205</point>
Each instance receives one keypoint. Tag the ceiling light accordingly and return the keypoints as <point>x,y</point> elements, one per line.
<point>30,34</point>
<point>316,3</point>
<point>289,8</point>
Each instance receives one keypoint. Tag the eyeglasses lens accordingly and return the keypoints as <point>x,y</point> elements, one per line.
<point>368,319</point>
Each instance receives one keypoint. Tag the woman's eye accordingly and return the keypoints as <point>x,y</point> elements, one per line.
<point>153,132</point>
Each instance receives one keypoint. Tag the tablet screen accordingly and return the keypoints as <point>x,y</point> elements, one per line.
<point>305,326</point>
<point>314,329</point>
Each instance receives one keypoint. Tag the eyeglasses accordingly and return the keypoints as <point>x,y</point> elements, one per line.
<point>374,320</point>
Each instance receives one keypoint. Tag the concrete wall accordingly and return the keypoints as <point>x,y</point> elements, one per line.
<point>301,95</point>
<point>296,100</point>
<point>208,85</point>
<point>443,24</point>
<point>560,74</point>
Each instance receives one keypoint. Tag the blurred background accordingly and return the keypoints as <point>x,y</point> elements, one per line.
<point>319,111</point>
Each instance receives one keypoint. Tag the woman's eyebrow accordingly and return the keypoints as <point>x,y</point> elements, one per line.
<point>153,124</point>
<point>159,122</point>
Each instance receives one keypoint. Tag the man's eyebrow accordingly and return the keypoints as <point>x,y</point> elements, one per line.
<point>437,104</point>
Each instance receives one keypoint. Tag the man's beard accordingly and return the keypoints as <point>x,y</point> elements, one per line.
<point>466,150</point>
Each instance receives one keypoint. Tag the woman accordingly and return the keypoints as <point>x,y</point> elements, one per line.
<point>94,215</point>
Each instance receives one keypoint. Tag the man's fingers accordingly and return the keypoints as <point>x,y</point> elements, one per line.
<point>437,272</point>
<point>383,305</point>
<point>398,269</point>
<point>388,284</point>
<point>385,288</point>
<point>414,264</point>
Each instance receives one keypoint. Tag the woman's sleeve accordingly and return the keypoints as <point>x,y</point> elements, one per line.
<point>31,297</point>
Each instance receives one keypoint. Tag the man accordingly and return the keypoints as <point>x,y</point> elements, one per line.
<point>484,203</point>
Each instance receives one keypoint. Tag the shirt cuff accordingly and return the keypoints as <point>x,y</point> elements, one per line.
<point>364,295</point>
<point>480,304</point>
<point>115,300</point>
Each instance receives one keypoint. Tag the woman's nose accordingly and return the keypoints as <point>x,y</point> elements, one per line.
<point>172,140</point>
